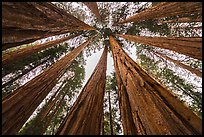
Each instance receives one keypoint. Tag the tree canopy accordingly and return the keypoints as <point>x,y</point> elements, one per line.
<point>46,52</point>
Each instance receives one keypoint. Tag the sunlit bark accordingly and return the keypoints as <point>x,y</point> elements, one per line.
<point>166,9</point>
<point>26,22</point>
<point>192,70</point>
<point>154,109</point>
<point>190,46</point>
<point>20,54</point>
<point>19,106</point>
<point>94,8</point>
<point>84,117</point>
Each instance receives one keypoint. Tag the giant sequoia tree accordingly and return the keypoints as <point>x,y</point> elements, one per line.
<point>42,77</point>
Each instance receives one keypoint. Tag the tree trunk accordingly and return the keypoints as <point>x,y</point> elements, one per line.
<point>166,9</point>
<point>50,117</point>
<point>20,105</point>
<point>154,109</point>
<point>20,54</point>
<point>186,27</point>
<point>24,72</point>
<point>85,115</point>
<point>94,9</point>
<point>190,46</point>
<point>182,20</point>
<point>38,123</point>
<point>192,70</point>
<point>110,110</point>
<point>26,22</point>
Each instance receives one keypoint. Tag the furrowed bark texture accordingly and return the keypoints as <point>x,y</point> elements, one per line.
<point>84,117</point>
<point>20,105</point>
<point>190,46</point>
<point>20,54</point>
<point>166,9</point>
<point>192,70</point>
<point>147,105</point>
<point>94,9</point>
<point>27,22</point>
<point>43,120</point>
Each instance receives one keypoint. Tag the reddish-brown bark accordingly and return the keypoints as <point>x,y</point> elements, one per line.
<point>166,9</point>
<point>27,22</point>
<point>154,109</point>
<point>20,54</point>
<point>84,117</point>
<point>190,46</point>
<point>20,105</point>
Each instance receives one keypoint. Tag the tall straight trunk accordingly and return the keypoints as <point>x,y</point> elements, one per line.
<point>94,9</point>
<point>110,110</point>
<point>25,72</point>
<point>26,22</point>
<point>84,117</point>
<point>51,116</point>
<point>20,105</point>
<point>42,116</point>
<point>166,9</point>
<point>182,20</point>
<point>51,105</point>
<point>190,46</point>
<point>154,109</point>
<point>20,54</point>
<point>124,105</point>
<point>192,70</point>
<point>186,27</point>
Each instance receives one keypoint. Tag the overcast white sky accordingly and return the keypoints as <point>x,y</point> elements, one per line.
<point>94,58</point>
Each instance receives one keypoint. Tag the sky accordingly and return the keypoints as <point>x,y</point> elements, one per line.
<point>94,58</point>
<point>92,61</point>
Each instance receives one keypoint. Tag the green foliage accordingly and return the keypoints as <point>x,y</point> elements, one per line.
<point>20,67</point>
<point>150,25</point>
<point>71,87</point>
<point>172,80</point>
<point>111,86</point>
<point>55,52</point>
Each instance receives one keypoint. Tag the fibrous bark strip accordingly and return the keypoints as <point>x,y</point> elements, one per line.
<point>20,105</point>
<point>154,109</point>
<point>26,22</point>
<point>84,117</point>
<point>190,46</point>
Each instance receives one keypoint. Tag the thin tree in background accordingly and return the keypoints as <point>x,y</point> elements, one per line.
<point>182,20</point>
<point>26,22</point>
<point>110,110</point>
<point>166,9</point>
<point>190,46</point>
<point>84,118</point>
<point>192,70</point>
<point>32,104</point>
<point>17,55</point>
<point>94,8</point>
<point>20,104</point>
<point>147,104</point>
